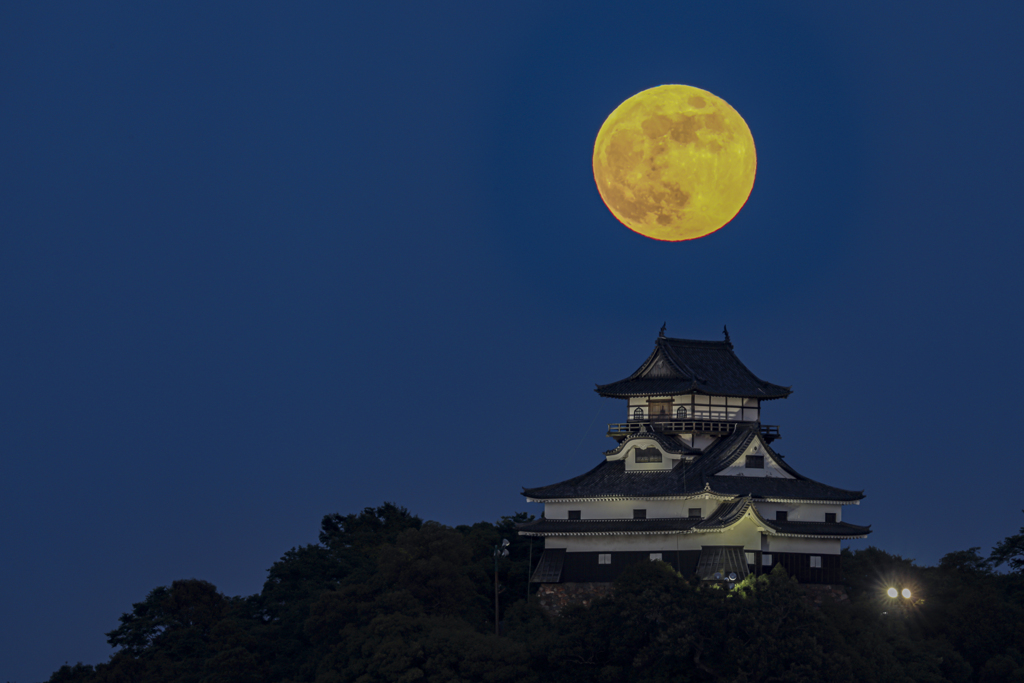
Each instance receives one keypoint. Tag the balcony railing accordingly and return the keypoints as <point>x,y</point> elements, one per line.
<point>715,415</point>
<point>667,426</point>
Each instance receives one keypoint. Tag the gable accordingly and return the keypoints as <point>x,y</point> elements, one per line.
<point>755,452</point>
<point>745,531</point>
<point>660,367</point>
<point>645,455</point>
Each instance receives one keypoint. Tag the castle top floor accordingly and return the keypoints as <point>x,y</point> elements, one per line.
<point>687,380</point>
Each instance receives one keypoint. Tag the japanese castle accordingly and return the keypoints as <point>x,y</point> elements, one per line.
<point>693,481</point>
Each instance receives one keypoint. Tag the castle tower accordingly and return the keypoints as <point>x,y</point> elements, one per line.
<point>693,481</point>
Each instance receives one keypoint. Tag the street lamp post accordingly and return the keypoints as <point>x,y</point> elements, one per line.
<point>499,551</point>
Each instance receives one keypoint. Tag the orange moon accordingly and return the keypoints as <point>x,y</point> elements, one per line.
<point>674,162</point>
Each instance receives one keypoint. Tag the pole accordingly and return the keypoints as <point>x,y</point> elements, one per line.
<point>497,624</point>
<point>529,570</point>
<point>499,551</point>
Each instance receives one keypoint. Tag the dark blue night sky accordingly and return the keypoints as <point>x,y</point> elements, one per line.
<point>260,262</point>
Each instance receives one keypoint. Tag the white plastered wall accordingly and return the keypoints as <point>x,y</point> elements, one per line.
<point>704,407</point>
<point>800,512</point>
<point>623,509</point>
<point>820,546</point>
<point>680,507</point>
<point>703,441</point>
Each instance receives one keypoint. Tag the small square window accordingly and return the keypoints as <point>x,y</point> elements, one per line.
<point>781,515</point>
<point>655,557</point>
<point>816,561</point>
<point>830,517</point>
<point>751,557</point>
<point>755,462</point>
<point>694,512</point>
<point>604,558</point>
<point>766,559</point>
<point>574,514</point>
<point>639,514</point>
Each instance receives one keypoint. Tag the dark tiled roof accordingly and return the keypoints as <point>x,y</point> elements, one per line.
<point>549,569</point>
<point>667,443</point>
<point>726,514</point>
<point>682,366</point>
<point>776,487</point>
<point>820,528</point>
<point>611,480</point>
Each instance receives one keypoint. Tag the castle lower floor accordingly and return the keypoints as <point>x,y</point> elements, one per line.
<point>712,563</point>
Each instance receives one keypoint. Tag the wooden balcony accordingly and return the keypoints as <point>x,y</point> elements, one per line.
<point>710,427</point>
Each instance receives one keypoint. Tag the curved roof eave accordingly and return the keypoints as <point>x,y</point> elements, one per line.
<point>703,367</point>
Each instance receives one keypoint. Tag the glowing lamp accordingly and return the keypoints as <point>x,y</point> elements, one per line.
<point>893,593</point>
<point>906,593</point>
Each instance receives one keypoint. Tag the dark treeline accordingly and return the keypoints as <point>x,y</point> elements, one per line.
<point>386,596</point>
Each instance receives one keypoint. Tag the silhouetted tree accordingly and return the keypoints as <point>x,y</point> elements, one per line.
<point>388,597</point>
<point>371,527</point>
<point>1010,551</point>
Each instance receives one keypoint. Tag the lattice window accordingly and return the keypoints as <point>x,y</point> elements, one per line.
<point>647,454</point>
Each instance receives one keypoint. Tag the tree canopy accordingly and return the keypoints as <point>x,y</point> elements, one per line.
<point>386,596</point>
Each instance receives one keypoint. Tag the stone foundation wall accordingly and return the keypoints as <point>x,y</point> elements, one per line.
<point>555,597</point>
<point>819,593</point>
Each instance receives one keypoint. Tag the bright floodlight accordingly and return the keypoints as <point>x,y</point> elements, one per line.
<point>906,593</point>
<point>893,593</point>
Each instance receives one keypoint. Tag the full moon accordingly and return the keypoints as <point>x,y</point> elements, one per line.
<point>674,162</point>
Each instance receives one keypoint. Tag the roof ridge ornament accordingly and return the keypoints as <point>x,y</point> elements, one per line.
<point>661,333</point>
<point>725,331</point>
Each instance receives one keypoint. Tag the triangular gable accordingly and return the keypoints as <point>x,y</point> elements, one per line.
<point>732,513</point>
<point>659,365</point>
<point>736,464</point>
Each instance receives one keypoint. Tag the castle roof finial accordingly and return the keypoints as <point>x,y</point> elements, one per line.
<point>661,334</point>
<point>725,331</point>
